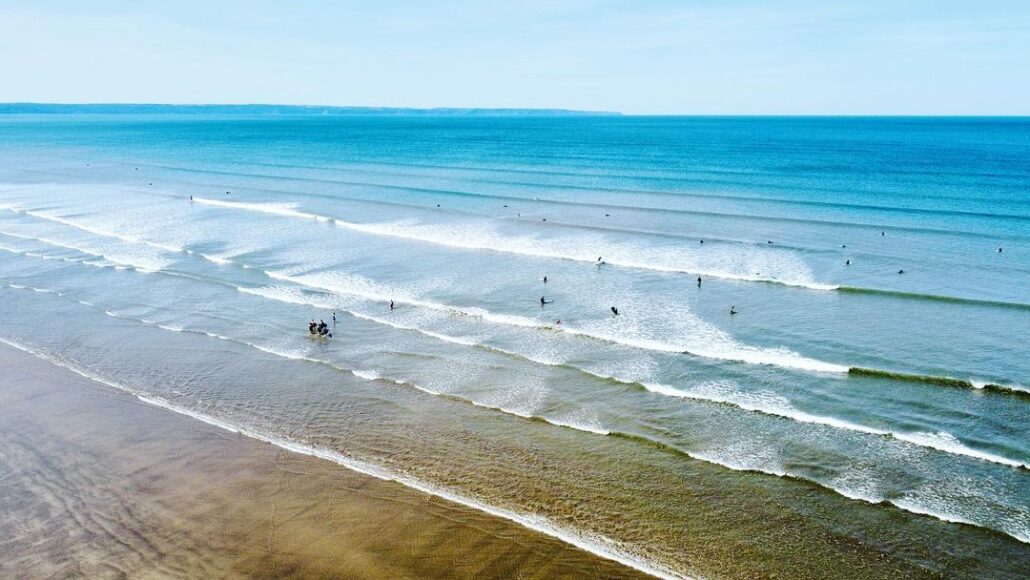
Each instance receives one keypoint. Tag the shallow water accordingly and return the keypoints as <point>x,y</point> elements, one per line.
<point>471,386</point>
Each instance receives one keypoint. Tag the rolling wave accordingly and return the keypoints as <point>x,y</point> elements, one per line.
<point>938,380</point>
<point>933,297</point>
<point>584,250</point>
<point>773,404</point>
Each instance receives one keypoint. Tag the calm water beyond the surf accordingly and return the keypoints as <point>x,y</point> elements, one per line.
<point>873,387</point>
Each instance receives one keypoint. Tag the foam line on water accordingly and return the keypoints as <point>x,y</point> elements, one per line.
<point>768,403</point>
<point>102,232</point>
<point>148,266</point>
<point>596,544</point>
<point>215,259</point>
<point>730,350</point>
<point>487,240</point>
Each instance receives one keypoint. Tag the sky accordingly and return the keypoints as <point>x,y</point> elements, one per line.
<point>637,57</point>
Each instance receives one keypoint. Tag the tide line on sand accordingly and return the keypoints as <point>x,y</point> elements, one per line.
<point>593,543</point>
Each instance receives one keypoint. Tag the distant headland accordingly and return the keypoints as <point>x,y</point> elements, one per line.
<point>151,109</point>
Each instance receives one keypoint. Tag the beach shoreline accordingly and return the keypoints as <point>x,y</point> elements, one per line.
<point>101,484</point>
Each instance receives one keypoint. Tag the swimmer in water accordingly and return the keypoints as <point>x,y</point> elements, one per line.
<point>545,279</point>
<point>615,311</point>
<point>847,263</point>
<point>999,250</point>
<point>901,271</point>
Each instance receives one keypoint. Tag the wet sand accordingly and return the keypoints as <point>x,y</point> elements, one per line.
<point>95,483</point>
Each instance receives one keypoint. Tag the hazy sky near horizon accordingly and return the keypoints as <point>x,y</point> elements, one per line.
<point>648,56</point>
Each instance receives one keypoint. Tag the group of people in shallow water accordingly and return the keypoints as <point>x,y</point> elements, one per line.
<point>320,328</point>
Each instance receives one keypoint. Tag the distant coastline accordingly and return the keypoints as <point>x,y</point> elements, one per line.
<point>151,109</point>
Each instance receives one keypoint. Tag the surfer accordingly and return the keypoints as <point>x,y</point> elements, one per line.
<point>544,301</point>
<point>901,271</point>
<point>545,279</point>
<point>699,281</point>
<point>615,311</point>
<point>999,250</point>
<point>391,305</point>
<point>334,319</point>
<point>847,262</point>
<point>733,310</point>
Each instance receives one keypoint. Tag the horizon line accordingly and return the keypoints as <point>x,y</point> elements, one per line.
<point>453,110</point>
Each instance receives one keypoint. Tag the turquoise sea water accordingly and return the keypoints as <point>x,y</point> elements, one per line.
<point>874,384</point>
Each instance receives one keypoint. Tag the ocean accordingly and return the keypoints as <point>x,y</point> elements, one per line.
<point>870,395</point>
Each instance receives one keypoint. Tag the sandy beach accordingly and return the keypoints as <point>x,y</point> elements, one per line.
<point>98,484</point>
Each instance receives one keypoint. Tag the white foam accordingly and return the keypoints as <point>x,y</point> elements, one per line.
<point>948,443</point>
<point>781,266</point>
<point>280,209</point>
<point>741,458</point>
<point>764,402</point>
<point>220,260</point>
<point>711,343</point>
<point>97,231</point>
<point>141,263</point>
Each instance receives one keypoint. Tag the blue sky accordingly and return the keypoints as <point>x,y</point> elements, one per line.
<point>648,56</point>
